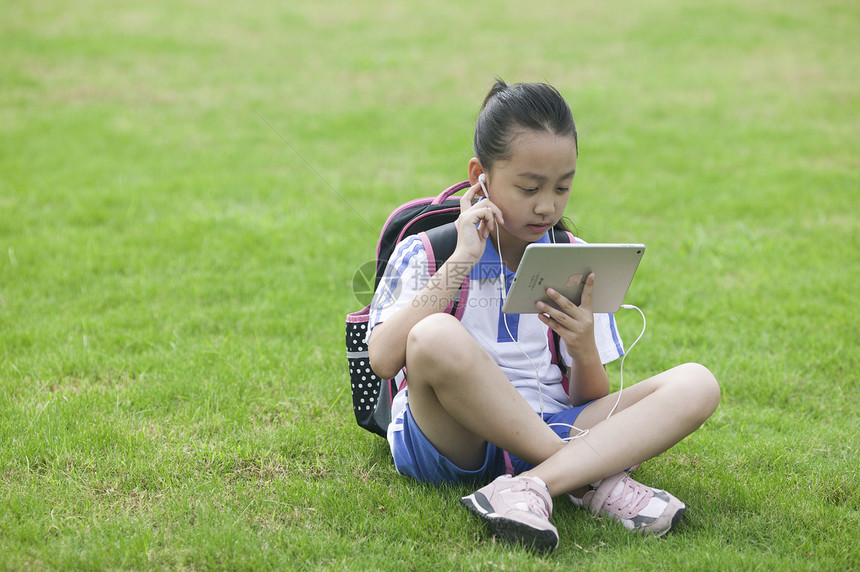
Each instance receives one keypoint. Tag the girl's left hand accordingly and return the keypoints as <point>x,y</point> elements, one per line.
<point>575,324</point>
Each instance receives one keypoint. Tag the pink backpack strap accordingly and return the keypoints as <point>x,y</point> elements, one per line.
<point>436,255</point>
<point>444,195</point>
<point>554,344</point>
<point>458,305</point>
<point>509,466</point>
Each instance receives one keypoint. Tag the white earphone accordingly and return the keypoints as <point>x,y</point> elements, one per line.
<point>482,178</point>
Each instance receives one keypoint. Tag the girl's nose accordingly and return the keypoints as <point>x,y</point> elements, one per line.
<point>544,204</point>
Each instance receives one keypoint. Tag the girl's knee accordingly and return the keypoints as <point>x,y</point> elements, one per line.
<point>702,385</point>
<point>438,351</point>
<point>431,327</point>
<point>435,335</point>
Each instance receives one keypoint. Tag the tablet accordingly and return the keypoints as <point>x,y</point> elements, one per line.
<point>565,267</point>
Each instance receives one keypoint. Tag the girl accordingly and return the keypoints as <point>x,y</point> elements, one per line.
<point>483,397</point>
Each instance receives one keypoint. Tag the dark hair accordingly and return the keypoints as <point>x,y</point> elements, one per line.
<point>509,110</point>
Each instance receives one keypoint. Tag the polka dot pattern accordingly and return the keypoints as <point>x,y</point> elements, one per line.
<point>366,385</point>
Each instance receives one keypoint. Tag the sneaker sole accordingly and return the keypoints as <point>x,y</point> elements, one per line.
<point>512,530</point>
<point>676,518</point>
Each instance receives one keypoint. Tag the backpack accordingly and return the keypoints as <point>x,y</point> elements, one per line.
<point>432,218</point>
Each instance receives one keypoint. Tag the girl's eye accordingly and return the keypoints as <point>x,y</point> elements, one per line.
<point>563,189</point>
<point>529,189</point>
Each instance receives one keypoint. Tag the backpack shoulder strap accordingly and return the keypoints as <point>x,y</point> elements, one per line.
<point>440,242</point>
<point>559,236</point>
<point>554,342</point>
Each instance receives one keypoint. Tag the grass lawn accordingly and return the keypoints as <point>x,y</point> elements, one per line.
<point>186,190</point>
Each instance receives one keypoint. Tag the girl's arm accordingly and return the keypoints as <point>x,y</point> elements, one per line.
<point>588,381</point>
<point>387,343</point>
<point>575,325</point>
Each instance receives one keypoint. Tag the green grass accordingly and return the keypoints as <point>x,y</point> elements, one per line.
<point>186,190</point>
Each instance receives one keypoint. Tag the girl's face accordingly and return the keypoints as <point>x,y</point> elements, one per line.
<point>531,188</point>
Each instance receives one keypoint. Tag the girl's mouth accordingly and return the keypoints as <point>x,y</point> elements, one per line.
<point>538,227</point>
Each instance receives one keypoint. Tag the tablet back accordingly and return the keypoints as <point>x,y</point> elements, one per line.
<point>565,267</point>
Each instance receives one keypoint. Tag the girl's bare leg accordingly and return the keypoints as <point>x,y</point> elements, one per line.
<point>652,416</point>
<point>461,399</point>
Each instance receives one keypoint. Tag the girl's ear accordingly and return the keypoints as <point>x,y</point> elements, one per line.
<point>475,170</point>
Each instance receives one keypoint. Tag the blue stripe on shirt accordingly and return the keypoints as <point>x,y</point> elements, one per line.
<point>509,324</point>
<point>615,337</point>
<point>397,264</point>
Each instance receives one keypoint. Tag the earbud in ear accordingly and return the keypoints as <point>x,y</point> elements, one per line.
<point>482,178</point>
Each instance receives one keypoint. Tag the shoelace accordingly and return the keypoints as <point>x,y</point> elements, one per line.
<point>534,500</point>
<point>632,498</point>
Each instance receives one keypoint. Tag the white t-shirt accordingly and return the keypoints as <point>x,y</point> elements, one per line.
<point>508,338</point>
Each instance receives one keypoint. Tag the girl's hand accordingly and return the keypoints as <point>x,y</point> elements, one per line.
<point>575,324</point>
<point>475,224</point>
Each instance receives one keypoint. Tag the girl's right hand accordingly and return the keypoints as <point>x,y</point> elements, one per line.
<point>475,224</point>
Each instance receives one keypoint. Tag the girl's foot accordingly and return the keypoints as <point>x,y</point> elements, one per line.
<point>516,509</point>
<point>637,507</point>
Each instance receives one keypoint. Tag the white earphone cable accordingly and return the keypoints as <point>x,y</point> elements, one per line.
<point>621,368</point>
<point>503,286</point>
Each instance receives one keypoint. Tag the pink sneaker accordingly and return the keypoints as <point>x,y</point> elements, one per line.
<point>637,507</point>
<point>517,509</point>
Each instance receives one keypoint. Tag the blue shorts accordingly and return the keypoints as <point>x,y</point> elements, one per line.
<point>414,455</point>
